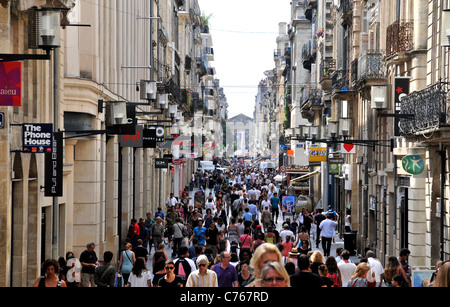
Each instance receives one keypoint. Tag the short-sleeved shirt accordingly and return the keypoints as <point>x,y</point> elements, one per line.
<point>226,277</point>
<point>275,202</point>
<point>199,233</point>
<point>88,257</point>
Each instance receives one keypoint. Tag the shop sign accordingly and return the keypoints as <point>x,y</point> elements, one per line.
<point>37,138</point>
<point>413,164</point>
<point>161,163</point>
<point>11,84</point>
<point>318,154</point>
<point>54,168</point>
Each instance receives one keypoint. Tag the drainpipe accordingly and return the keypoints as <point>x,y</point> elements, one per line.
<point>442,153</point>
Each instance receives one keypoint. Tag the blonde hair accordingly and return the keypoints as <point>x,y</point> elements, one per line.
<point>317,257</point>
<point>128,246</point>
<point>261,250</point>
<point>361,269</point>
<point>443,276</point>
<point>277,267</point>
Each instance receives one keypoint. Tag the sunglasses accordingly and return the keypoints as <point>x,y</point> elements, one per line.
<point>274,279</point>
<point>202,265</point>
<point>170,268</point>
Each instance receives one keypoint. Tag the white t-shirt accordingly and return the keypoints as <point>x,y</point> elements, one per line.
<point>171,202</point>
<point>140,282</point>
<point>265,204</point>
<point>377,267</point>
<point>347,270</point>
<point>285,233</point>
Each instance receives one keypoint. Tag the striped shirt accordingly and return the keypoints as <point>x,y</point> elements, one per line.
<point>199,281</point>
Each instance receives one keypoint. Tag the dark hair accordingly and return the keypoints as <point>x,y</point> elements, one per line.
<point>303,262</point>
<point>182,250</point>
<point>404,252</point>
<point>107,256</point>
<point>345,254</point>
<point>290,268</point>
<point>139,266</point>
<point>48,263</point>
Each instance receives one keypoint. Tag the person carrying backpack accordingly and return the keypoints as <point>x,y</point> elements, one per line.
<point>184,265</point>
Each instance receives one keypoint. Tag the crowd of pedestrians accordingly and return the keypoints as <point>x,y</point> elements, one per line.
<point>234,237</point>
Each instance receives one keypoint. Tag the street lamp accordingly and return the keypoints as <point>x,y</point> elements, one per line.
<point>333,129</point>
<point>43,33</point>
<point>345,126</point>
<point>314,132</point>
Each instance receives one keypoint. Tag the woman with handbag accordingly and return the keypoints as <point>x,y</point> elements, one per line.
<point>127,260</point>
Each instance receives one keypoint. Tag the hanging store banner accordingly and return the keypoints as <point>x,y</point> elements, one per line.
<point>54,168</point>
<point>11,84</point>
<point>348,149</point>
<point>136,140</point>
<point>37,138</point>
<point>318,154</point>
<point>401,89</point>
<point>161,163</point>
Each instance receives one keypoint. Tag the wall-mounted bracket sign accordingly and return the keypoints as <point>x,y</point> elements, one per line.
<point>11,84</point>
<point>37,138</point>
<point>413,164</point>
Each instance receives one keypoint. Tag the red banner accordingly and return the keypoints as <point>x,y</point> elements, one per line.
<point>11,84</point>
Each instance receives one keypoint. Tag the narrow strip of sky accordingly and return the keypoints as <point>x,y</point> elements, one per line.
<point>244,36</point>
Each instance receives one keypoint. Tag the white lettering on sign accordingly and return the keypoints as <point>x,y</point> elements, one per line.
<point>34,136</point>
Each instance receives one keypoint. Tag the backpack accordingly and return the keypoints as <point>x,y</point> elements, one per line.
<point>182,269</point>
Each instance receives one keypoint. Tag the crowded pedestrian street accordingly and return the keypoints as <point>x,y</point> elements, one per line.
<point>231,228</point>
<point>224,144</point>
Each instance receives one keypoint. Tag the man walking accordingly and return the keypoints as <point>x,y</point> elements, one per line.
<point>328,231</point>
<point>203,277</point>
<point>226,272</point>
<point>157,233</point>
<point>275,203</point>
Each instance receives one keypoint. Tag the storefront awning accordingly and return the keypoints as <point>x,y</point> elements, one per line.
<point>306,176</point>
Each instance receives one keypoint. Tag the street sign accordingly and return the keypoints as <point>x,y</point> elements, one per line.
<point>37,138</point>
<point>283,169</point>
<point>2,120</point>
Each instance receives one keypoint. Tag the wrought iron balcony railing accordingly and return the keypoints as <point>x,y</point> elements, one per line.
<point>429,107</point>
<point>341,81</point>
<point>345,6</point>
<point>311,97</point>
<point>399,37</point>
<point>371,66</point>
<point>327,67</point>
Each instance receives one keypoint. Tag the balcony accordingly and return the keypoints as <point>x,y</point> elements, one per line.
<point>209,51</point>
<point>371,68</point>
<point>341,83</point>
<point>311,98</point>
<point>309,53</point>
<point>429,107</point>
<point>399,39</point>
<point>327,67</point>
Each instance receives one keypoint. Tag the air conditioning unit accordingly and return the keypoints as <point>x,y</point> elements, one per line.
<point>148,90</point>
<point>379,97</point>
